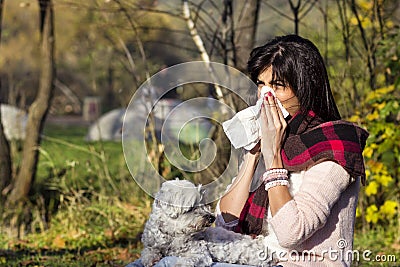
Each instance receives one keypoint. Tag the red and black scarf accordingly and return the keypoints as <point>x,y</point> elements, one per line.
<point>310,140</point>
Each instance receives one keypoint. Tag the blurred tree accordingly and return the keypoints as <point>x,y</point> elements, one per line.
<point>364,27</point>
<point>19,60</point>
<point>5,158</point>
<point>107,42</point>
<point>300,11</point>
<point>39,108</point>
<point>245,30</point>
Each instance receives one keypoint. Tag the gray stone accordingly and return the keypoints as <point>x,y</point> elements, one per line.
<point>14,122</point>
<point>109,126</point>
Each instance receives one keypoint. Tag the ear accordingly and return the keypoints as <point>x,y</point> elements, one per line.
<point>202,190</point>
<point>157,203</point>
<point>168,209</point>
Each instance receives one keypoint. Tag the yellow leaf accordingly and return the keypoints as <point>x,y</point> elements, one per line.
<point>373,116</point>
<point>372,188</point>
<point>354,118</point>
<point>389,24</point>
<point>368,152</point>
<point>388,208</point>
<point>366,5</point>
<point>372,214</point>
<point>389,131</point>
<point>378,93</point>
<point>59,242</point>
<point>381,105</point>
<point>376,167</point>
<point>354,21</point>
<point>358,212</point>
<point>383,179</point>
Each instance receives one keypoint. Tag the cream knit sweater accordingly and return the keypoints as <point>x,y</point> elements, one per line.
<point>316,227</point>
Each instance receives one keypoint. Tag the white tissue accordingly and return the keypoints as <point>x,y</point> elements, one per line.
<point>243,130</point>
<point>266,89</point>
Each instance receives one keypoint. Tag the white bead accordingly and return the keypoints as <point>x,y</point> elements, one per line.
<point>269,185</point>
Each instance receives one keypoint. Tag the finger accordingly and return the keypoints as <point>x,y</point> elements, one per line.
<point>267,112</point>
<point>274,111</point>
<point>263,117</point>
<point>280,113</point>
<point>268,130</point>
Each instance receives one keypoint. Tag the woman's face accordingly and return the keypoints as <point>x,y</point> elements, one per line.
<point>284,94</point>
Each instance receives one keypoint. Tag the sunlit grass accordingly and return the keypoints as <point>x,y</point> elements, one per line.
<point>378,247</point>
<point>97,211</point>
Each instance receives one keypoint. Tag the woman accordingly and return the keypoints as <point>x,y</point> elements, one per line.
<point>312,163</point>
<point>310,168</point>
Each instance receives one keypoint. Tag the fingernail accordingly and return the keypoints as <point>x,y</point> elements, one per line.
<point>269,94</point>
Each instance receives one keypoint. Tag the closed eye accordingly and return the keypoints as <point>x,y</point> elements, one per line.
<point>190,209</point>
<point>258,82</point>
<point>277,84</point>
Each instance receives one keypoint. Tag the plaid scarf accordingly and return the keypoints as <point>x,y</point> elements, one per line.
<point>310,140</point>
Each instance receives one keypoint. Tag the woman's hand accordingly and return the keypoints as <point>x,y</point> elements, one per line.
<point>273,126</point>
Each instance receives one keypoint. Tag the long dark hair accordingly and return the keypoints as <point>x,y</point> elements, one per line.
<point>297,63</point>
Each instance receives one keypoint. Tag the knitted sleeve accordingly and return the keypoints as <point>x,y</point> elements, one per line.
<point>310,207</point>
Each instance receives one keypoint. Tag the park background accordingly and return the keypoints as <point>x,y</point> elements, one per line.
<point>68,199</point>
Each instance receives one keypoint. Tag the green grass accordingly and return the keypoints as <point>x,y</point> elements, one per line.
<point>97,209</point>
<point>117,256</point>
<point>378,247</point>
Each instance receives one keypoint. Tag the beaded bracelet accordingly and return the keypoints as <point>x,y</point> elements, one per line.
<point>276,170</point>
<point>275,177</point>
<point>267,178</point>
<point>279,178</point>
<point>274,173</point>
<point>271,184</point>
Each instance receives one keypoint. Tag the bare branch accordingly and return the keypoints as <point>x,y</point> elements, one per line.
<point>128,4</point>
<point>310,6</point>
<point>199,43</point>
<point>181,47</point>
<point>367,46</point>
<point>295,7</point>
<point>138,40</point>
<point>359,23</point>
<point>280,13</point>
<point>69,94</point>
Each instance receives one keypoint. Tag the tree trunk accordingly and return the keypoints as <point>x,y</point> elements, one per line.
<point>199,44</point>
<point>5,157</point>
<point>5,160</point>
<point>295,9</point>
<point>39,108</point>
<point>246,32</point>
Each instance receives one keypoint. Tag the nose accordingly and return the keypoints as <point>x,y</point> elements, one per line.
<point>210,218</point>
